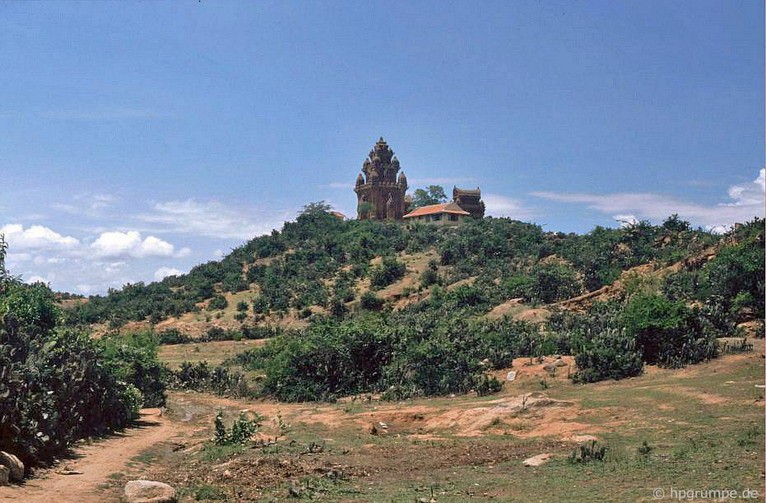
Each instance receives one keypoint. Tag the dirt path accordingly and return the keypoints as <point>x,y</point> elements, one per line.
<point>97,462</point>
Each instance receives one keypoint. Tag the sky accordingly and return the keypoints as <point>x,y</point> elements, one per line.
<point>138,139</point>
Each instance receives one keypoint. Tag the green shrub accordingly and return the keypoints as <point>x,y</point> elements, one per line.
<point>172,336</point>
<point>134,360</point>
<point>588,452</point>
<point>218,302</point>
<point>668,333</point>
<point>57,385</point>
<point>611,354</point>
<point>488,386</point>
<point>553,281</point>
<point>430,276</point>
<point>220,380</point>
<point>241,431</point>
<point>389,271</point>
<point>371,302</point>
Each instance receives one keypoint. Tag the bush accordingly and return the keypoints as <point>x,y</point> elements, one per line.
<point>552,281</point>
<point>388,272</point>
<point>172,336</point>
<point>488,386</point>
<point>588,452</point>
<point>668,333</point>
<point>241,431</point>
<point>611,354</point>
<point>57,386</point>
<point>371,302</point>
<point>218,302</point>
<point>134,360</point>
<point>404,354</point>
<point>430,276</point>
<point>219,380</point>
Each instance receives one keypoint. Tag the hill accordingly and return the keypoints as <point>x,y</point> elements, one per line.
<point>422,310</point>
<point>319,265</point>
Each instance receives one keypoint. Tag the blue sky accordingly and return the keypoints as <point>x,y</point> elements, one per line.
<point>140,138</point>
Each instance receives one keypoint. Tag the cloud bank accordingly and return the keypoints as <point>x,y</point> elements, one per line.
<point>747,201</point>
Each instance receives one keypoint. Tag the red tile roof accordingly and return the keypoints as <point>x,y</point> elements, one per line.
<point>435,209</point>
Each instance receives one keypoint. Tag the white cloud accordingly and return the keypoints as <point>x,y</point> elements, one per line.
<point>91,205</point>
<point>19,257</point>
<point>130,244</point>
<point>213,219</point>
<point>84,289</point>
<point>747,202</point>
<point>502,206</point>
<point>38,279</point>
<point>36,237</point>
<point>626,220</point>
<point>164,272</point>
<point>751,193</point>
<point>718,229</point>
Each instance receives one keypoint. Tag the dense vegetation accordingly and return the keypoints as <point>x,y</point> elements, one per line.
<point>445,344</point>
<point>57,384</point>
<point>316,260</point>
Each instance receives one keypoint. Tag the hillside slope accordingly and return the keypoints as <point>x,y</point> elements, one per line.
<point>319,266</point>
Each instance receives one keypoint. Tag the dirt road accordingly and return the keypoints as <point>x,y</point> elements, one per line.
<point>93,465</point>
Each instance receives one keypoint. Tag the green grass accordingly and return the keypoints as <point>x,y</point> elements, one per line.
<point>213,452</point>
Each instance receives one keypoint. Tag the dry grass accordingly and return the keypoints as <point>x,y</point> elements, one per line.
<point>212,352</point>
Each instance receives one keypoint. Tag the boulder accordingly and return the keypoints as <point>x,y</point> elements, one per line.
<point>15,466</point>
<point>5,475</point>
<point>149,491</point>
<point>538,460</point>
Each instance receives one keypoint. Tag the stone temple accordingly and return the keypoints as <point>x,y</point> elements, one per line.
<point>380,192</point>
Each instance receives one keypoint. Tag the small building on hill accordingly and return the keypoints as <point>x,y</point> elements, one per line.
<point>470,201</point>
<point>441,214</point>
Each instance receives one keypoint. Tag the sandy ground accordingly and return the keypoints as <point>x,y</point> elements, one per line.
<point>92,465</point>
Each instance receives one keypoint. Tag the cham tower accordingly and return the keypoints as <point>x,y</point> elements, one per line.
<point>380,192</point>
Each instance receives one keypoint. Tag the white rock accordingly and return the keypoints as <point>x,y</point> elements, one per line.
<point>15,466</point>
<point>511,376</point>
<point>538,460</point>
<point>149,491</point>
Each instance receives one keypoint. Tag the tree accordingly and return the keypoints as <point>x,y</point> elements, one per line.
<point>433,194</point>
<point>674,224</point>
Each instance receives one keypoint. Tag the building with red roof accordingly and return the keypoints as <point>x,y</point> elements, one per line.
<point>443,214</point>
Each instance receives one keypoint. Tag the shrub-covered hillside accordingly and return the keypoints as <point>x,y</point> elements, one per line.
<point>322,264</point>
<point>421,310</point>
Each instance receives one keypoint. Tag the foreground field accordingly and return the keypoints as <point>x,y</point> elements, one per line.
<point>703,428</point>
